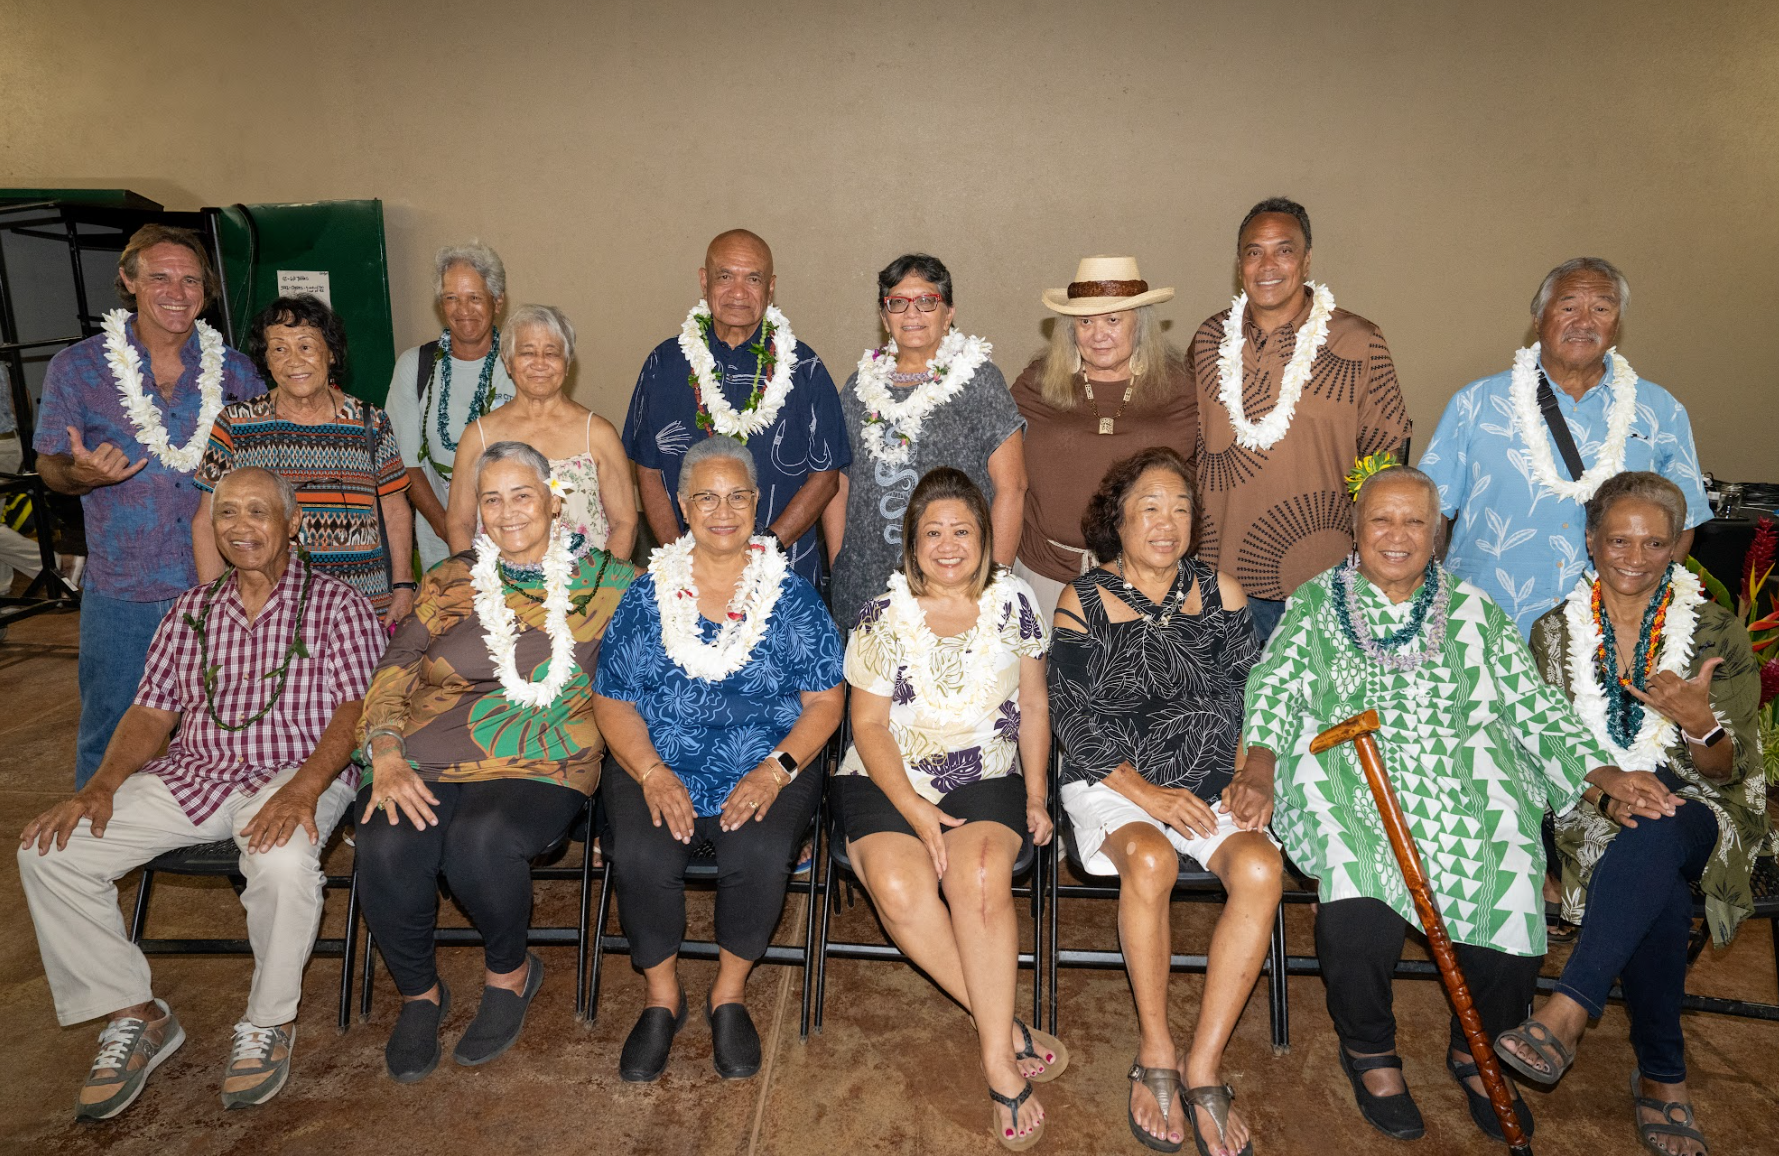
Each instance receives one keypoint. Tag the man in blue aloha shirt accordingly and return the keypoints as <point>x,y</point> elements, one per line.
<point>1515,507</point>
<point>138,507</point>
<point>798,439</point>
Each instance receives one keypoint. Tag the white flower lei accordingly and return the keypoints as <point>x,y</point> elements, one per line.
<point>676,596</point>
<point>499,623</point>
<point>126,370</point>
<point>1657,732</point>
<point>723,416</point>
<point>982,647</point>
<point>953,366</point>
<point>1522,391</point>
<point>1265,433</point>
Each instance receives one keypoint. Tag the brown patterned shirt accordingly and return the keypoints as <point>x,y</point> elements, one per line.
<point>1273,519</point>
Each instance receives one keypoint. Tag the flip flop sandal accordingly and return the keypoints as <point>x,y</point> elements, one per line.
<point>1043,1047</point>
<point>1164,1084</point>
<point>1482,1112</point>
<point>1215,1099</point>
<point>1014,1143</point>
<point>1685,1127</point>
<point>1561,931</point>
<point>1537,1039</point>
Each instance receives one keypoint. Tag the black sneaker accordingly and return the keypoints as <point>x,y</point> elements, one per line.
<point>499,1019</point>
<point>413,1048</point>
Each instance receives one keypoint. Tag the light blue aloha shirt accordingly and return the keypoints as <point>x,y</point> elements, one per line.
<point>1520,543</point>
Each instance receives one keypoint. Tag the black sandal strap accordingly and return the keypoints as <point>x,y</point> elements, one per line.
<point>1031,1051</point>
<point>1013,1103</point>
<point>1372,1063</point>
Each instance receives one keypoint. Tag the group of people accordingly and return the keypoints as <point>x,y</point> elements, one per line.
<point>1182,591</point>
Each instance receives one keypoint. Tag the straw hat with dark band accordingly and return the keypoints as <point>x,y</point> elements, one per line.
<point>1105,285</point>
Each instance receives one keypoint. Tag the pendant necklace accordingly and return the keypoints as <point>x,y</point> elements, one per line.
<point>1107,422</point>
<point>1171,603</point>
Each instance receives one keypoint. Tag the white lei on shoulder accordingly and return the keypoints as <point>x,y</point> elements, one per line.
<point>500,623</point>
<point>953,366</point>
<point>126,370</point>
<point>1522,391</point>
<point>750,610</point>
<point>1265,433</point>
<point>1657,731</point>
<point>981,651</point>
<point>724,417</point>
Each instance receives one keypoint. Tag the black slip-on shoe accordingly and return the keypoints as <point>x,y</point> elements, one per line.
<point>734,1044</point>
<point>1481,1111</point>
<point>413,1048</point>
<point>499,1019</point>
<point>1395,1116</point>
<point>645,1052</point>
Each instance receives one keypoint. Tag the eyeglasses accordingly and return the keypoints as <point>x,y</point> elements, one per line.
<point>926,303</point>
<point>706,502</point>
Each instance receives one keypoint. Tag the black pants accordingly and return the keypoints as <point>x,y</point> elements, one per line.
<point>1359,941</point>
<point>488,834</point>
<point>753,866</point>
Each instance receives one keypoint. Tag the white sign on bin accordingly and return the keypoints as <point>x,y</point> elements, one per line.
<point>296,282</point>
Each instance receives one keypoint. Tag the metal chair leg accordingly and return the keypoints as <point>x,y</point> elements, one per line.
<point>601,917</point>
<point>821,962</point>
<point>348,950</point>
<point>582,946</point>
<point>1277,986</point>
<point>141,913</point>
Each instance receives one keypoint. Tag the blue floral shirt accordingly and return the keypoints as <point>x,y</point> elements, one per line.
<point>712,733</point>
<point>138,532</point>
<point>809,436</point>
<point>1521,544</point>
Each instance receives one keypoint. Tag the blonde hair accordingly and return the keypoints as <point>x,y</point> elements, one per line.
<point>1151,360</point>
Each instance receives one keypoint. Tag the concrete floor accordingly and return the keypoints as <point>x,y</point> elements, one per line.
<point>894,1071</point>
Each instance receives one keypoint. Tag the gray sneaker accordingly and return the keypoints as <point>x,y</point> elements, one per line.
<point>128,1052</point>
<point>259,1064</point>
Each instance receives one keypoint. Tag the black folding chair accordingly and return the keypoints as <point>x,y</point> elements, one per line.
<point>1194,884</point>
<point>223,859</point>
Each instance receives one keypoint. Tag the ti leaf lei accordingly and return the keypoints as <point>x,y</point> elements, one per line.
<point>479,403</point>
<point>200,627</point>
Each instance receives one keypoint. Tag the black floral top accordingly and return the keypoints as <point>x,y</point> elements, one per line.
<point>1161,692</point>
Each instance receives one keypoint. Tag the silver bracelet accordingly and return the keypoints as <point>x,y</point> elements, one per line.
<point>372,736</point>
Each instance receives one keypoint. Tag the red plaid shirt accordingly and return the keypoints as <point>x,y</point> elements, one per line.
<point>204,763</point>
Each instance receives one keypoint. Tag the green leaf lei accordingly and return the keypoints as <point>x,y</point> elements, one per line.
<point>200,627</point>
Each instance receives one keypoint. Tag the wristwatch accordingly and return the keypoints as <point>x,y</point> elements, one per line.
<point>404,585</point>
<point>1710,738</point>
<point>786,761</point>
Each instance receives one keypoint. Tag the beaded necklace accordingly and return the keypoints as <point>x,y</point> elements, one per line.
<point>1624,714</point>
<point>1176,594</point>
<point>200,627</point>
<point>1427,619</point>
<point>511,575</point>
<point>479,403</point>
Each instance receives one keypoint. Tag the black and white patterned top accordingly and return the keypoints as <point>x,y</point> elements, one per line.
<point>1164,697</point>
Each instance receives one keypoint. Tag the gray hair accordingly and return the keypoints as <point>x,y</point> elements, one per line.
<point>1404,474</point>
<point>286,492</point>
<point>715,448</point>
<point>1598,265</point>
<point>1642,486</point>
<point>529,316</point>
<point>520,452</point>
<point>484,260</point>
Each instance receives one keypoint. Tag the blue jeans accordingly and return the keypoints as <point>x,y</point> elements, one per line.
<point>114,639</point>
<point>1266,613</point>
<point>1639,913</point>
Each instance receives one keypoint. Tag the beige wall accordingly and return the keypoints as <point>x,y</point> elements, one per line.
<point>1449,153</point>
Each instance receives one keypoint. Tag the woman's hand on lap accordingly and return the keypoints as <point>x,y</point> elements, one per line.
<point>1037,821</point>
<point>669,802</point>
<point>393,780</point>
<point>930,824</point>
<point>752,796</point>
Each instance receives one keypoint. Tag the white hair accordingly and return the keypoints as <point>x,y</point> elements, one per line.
<point>511,451</point>
<point>1598,265</point>
<point>717,448</point>
<point>484,260</point>
<point>541,316</point>
<point>286,492</point>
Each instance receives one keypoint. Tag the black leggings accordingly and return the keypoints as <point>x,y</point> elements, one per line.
<point>488,834</point>
<point>753,866</point>
<point>1359,941</point>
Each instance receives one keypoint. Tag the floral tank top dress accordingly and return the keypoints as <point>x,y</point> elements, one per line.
<point>583,514</point>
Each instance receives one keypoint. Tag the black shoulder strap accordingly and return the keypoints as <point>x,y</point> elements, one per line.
<point>428,353</point>
<point>1559,429</point>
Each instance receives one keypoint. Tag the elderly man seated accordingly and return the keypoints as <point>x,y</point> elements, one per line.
<point>260,673</point>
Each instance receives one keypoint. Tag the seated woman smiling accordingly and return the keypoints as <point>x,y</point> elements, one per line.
<point>947,674</point>
<point>479,724</point>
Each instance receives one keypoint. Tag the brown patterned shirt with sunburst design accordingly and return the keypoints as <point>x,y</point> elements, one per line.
<point>1274,519</point>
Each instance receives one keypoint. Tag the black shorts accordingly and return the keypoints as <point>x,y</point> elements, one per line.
<point>865,810</point>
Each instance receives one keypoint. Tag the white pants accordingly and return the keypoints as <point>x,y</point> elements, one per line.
<point>92,966</point>
<point>1096,810</point>
<point>17,552</point>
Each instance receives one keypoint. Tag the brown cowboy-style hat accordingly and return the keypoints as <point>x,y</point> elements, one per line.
<point>1105,285</point>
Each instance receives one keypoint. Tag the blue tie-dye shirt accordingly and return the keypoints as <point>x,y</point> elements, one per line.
<point>1523,545</point>
<point>808,437</point>
<point>138,532</point>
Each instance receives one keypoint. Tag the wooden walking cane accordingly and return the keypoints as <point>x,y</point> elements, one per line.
<point>1358,730</point>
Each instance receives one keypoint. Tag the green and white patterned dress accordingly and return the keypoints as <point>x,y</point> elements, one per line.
<point>1475,743</point>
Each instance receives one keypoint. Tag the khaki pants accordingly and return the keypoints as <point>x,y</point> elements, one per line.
<point>92,966</point>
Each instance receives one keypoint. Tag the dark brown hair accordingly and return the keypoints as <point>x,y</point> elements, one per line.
<point>147,237</point>
<point>1104,515</point>
<point>297,312</point>
<point>938,485</point>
